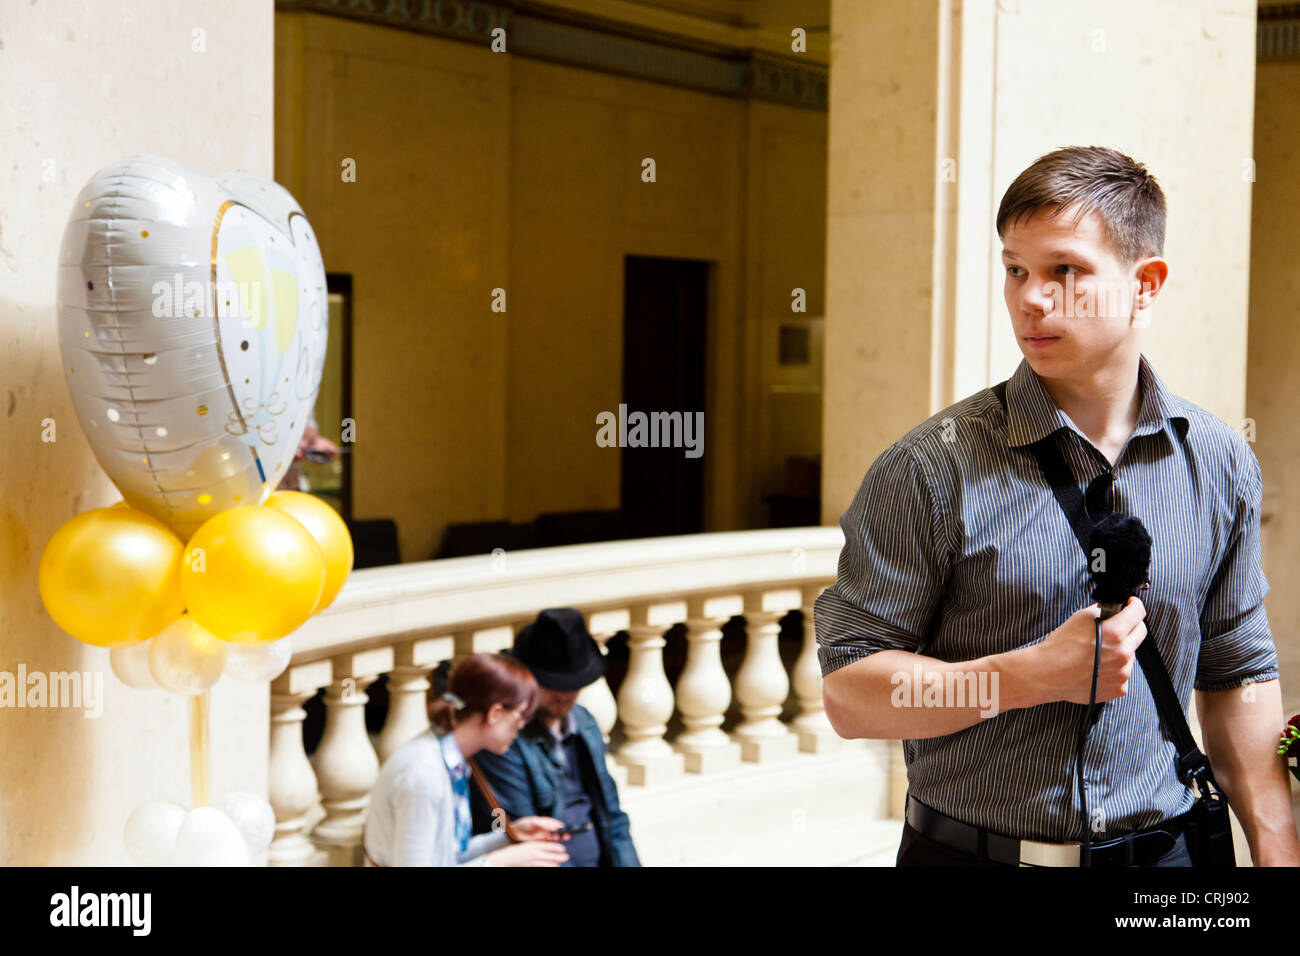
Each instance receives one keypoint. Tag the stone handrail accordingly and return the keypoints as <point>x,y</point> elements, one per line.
<point>407,619</point>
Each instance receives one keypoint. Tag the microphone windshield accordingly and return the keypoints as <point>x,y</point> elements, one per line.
<point>1119,550</point>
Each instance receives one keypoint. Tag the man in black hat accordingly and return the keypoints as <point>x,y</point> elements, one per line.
<point>556,765</point>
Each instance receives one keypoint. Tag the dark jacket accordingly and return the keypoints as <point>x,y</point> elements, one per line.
<point>528,781</point>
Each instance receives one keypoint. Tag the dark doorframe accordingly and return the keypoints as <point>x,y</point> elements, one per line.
<point>665,324</point>
<point>336,489</point>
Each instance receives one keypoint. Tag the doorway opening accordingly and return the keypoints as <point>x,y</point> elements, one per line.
<point>665,325</point>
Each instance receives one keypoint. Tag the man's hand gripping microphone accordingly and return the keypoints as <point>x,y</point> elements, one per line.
<point>1120,552</point>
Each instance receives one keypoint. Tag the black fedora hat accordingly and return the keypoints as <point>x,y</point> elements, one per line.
<point>559,651</point>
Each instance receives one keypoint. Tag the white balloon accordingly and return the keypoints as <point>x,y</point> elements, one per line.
<point>254,817</point>
<point>184,658</point>
<point>131,665</point>
<point>210,838</point>
<point>258,662</point>
<point>151,831</point>
<point>193,322</point>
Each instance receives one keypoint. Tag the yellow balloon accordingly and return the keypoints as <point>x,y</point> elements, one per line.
<point>111,577</point>
<point>251,575</point>
<point>331,534</point>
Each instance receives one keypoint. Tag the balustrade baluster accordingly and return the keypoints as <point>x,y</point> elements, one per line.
<point>408,690</point>
<point>703,694</point>
<point>645,703</point>
<point>597,697</point>
<point>346,763</point>
<point>762,686</point>
<point>812,726</point>
<point>291,782</point>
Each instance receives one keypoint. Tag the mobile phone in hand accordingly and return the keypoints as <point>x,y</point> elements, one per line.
<point>568,830</point>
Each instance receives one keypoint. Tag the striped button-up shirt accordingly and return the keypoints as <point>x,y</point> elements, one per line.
<point>955,548</point>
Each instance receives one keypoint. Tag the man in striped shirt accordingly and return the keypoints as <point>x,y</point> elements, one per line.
<point>960,570</point>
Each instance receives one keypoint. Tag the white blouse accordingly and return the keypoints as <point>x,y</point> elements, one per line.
<point>411,817</point>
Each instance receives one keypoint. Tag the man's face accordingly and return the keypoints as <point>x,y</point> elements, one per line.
<point>554,704</point>
<point>1064,281</point>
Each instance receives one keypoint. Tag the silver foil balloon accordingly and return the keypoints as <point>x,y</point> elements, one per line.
<point>192,325</point>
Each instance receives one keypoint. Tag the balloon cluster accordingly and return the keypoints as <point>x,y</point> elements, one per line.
<point>193,325</point>
<point>234,833</point>
<point>178,616</point>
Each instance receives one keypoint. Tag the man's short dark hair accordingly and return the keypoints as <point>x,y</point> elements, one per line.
<point>1127,198</point>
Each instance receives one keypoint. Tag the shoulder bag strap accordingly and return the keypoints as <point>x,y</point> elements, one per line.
<point>486,789</point>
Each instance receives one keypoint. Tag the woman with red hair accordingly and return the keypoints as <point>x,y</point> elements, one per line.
<point>419,812</point>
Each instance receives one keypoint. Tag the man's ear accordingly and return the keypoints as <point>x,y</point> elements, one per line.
<point>1150,275</point>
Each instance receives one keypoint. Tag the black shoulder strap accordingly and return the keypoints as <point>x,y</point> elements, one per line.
<point>1059,477</point>
<point>1191,761</point>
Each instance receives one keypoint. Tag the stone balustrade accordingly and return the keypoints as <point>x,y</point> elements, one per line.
<point>405,620</point>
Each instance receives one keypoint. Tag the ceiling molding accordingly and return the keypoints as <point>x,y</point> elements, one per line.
<point>602,45</point>
<point>1279,38</point>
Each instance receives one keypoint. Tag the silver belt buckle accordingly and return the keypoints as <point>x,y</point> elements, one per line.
<point>1033,853</point>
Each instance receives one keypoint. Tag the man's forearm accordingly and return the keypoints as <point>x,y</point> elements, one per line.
<point>897,695</point>
<point>1240,728</point>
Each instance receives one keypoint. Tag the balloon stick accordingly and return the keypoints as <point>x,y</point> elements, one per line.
<point>199,748</point>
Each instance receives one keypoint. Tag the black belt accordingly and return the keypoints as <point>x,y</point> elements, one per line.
<point>1140,848</point>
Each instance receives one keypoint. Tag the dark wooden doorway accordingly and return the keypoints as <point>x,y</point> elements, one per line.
<point>665,323</point>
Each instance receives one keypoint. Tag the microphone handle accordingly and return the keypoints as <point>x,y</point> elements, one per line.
<point>1107,610</point>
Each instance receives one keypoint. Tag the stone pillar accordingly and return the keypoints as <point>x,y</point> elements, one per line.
<point>880,234</point>
<point>71,108</point>
<point>1273,390</point>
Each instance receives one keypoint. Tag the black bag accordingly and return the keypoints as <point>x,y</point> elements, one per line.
<point>1208,827</point>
